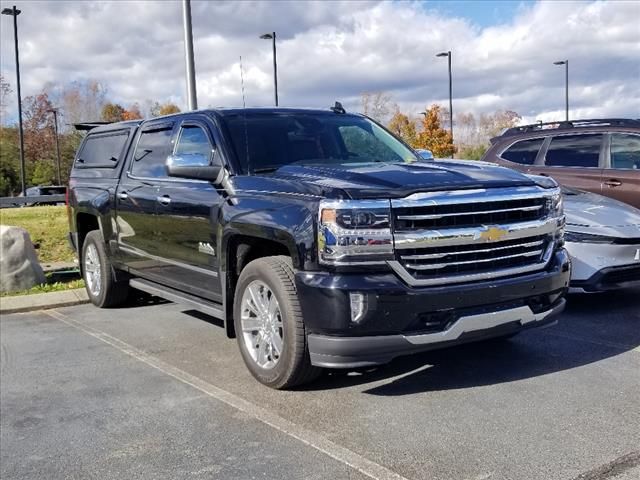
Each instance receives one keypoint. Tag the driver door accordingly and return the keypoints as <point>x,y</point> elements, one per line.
<point>187,214</point>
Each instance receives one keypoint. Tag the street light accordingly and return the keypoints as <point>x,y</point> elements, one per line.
<point>55,130</point>
<point>14,12</point>
<point>272,36</point>
<point>448,55</point>
<point>192,98</point>
<point>566,85</point>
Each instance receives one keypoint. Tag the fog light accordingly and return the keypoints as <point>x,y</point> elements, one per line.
<point>358,303</point>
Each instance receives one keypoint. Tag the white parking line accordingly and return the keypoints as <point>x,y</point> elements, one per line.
<point>308,437</point>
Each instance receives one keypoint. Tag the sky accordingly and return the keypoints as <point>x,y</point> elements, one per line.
<point>502,53</point>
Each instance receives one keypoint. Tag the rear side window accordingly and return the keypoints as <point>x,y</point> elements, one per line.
<point>574,150</point>
<point>524,151</point>
<point>151,153</point>
<point>625,151</point>
<point>102,151</point>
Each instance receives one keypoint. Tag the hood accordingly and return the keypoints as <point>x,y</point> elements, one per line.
<point>590,213</point>
<point>371,180</point>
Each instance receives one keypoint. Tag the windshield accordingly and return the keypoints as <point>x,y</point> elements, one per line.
<point>264,142</point>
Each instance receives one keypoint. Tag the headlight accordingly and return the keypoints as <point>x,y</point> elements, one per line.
<point>556,205</point>
<point>579,237</point>
<point>354,232</point>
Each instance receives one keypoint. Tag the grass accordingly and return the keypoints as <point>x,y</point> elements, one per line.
<point>47,226</point>
<point>48,287</point>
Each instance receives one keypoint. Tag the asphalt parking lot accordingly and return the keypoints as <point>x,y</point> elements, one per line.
<point>154,391</point>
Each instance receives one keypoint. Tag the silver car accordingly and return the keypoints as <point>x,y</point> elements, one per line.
<point>603,238</point>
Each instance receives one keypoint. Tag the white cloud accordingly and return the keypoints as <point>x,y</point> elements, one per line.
<point>336,50</point>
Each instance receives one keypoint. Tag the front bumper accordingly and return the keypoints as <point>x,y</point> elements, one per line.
<point>353,352</point>
<point>401,319</point>
<point>611,278</point>
<point>597,267</point>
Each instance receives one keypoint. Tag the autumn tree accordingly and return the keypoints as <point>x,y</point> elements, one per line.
<point>493,124</point>
<point>168,108</point>
<point>404,127</point>
<point>80,101</point>
<point>433,137</point>
<point>39,140</point>
<point>112,112</point>
<point>132,113</point>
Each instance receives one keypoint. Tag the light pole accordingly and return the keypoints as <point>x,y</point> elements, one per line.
<point>55,130</point>
<point>14,12</point>
<point>448,55</point>
<point>272,36</point>
<point>566,85</point>
<point>192,98</point>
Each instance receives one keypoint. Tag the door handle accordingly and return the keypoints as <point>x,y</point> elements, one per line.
<point>164,200</point>
<point>613,183</point>
<point>123,195</point>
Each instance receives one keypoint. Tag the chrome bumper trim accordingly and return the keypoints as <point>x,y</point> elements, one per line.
<point>484,321</point>
<point>473,235</point>
<point>472,277</point>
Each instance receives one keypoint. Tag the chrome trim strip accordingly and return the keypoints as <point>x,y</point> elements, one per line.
<point>472,235</point>
<point>485,321</point>
<point>471,277</point>
<point>428,256</point>
<point>476,196</point>
<point>355,204</point>
<point>140,253</point>
<point>435,266</point>
<point>458,214</point>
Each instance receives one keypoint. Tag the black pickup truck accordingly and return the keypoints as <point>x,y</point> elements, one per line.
<point>318,238</point>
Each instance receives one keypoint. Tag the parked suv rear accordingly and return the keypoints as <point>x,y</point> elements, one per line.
<point>601,156</point>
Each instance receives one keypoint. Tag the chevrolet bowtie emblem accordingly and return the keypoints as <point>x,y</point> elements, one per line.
<point>493,234</point>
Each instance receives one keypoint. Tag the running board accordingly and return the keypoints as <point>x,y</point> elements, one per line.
<point>197,303</point>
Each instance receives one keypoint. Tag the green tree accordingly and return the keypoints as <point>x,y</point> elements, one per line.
<point>433,137</point>
<point>43,173</point>
<point>472,152</point>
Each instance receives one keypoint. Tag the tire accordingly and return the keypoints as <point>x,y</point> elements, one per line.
<point>267,279</point>
<point>97,271</point>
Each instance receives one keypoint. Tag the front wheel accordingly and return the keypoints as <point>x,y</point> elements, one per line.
<point>269,325</point>
<point>103,290</point>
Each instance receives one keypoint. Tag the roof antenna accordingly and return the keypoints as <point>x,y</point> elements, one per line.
<point>244,119</point>
<point>242,82</point>
<point>338,108</point>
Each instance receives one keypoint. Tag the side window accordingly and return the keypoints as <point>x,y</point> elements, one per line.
<point>102,150</point>
<point>151,153</point>
<point>524,151</point>
<point>625,151</point>
<point>193,143</point>
<point>574,150</point>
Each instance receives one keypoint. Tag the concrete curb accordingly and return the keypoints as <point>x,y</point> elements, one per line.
<point>39,301</point>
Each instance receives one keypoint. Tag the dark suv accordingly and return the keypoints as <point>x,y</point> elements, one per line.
<point>601,156</point>
<point>317,237</point>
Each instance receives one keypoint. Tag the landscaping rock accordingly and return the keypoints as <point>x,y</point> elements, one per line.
<point>19,266</point>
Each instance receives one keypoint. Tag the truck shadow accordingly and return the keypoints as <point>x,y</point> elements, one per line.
<point>592,328</point>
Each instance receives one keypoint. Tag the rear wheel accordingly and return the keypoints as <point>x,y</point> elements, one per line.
<point>269,325</point>
<point>103,290</point>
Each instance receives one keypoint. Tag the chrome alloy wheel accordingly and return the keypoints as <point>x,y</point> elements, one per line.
<point>261,321</point>
<point>92,270</point>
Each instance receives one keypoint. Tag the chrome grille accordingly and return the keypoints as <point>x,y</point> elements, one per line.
<point>465,215</point>
<point>464,236</point>
<point>465,259</point>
